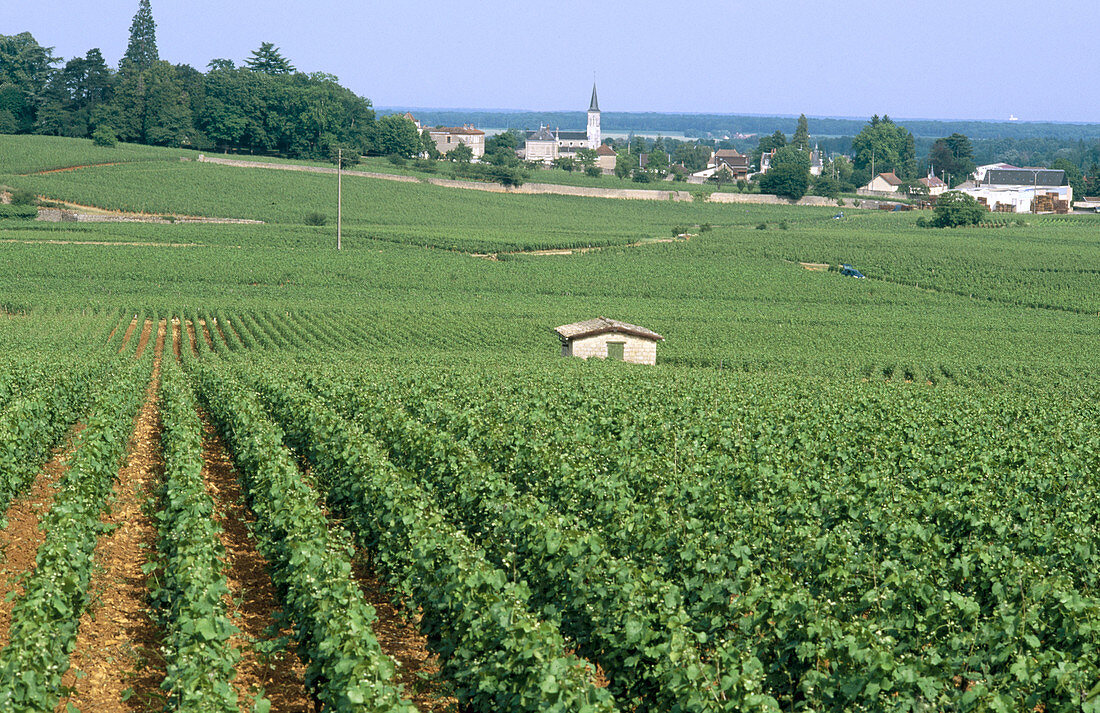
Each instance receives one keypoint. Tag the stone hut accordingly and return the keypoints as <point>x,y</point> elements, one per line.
<point>609,339</point>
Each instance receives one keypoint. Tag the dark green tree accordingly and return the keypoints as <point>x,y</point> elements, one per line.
<point>461,154</point>
<point>955,209</point>
<point>268,60</point>
<point>25,71</point>
<point>394,135</point>
<point>886,147</point>
<point>1074,177</point>
<point>952,157</point>
<point>768,143</point>
<point>788,180</point>
<point>427,144</point>
<point>141,52</point>
<point>625,163</point>
<point>801,138</point>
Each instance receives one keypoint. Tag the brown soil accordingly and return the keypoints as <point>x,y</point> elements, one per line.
<point>146,333</point>
<point>400,639</point>
<point>74,168</point>
<point>103,242</point>
<point>252,604</point>
<point>206,334</point>
<point>20,540</point>
<point>176,337</point>
<point>683,237</point>
<point>191,338</point>
<point>118,644</point>
<point>126,336</point>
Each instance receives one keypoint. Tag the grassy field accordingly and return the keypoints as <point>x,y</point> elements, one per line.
<point>830,493</point>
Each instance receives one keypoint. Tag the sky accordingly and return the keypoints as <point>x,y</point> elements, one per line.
<point>936,59</point>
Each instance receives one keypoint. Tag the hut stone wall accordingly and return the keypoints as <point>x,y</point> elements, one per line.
<point>635,349</point>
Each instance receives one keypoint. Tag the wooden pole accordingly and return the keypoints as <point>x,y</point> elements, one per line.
<point>339,196</point>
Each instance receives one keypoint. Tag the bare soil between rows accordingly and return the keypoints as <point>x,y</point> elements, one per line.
<point>20,540</point>
<point>253,605</point>
<point>117,651</point>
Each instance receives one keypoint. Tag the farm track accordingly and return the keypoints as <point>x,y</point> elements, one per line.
<point>176,337</point>
<point>252,605</point>
<point>191,338</point>
<point>127,334</point>
<point>143,341</point>
<point>20,540</point>
<point>117,647</point>
<point>400,639</point>
<point>206,334</point>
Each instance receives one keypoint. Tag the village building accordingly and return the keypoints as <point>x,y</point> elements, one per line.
<point>981,171</point>
<point>817,162</point>
<point>447,138</point>
<point>545,145</point>
<point>1022,190</point>
<point>609,339</point>
<point>934,184</point>
<point>730,162</point>
<point>883,183</point>
<point>606,159</point>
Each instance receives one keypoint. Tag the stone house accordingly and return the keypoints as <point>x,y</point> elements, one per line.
<point>609,339</point>
<point>934,184</point>
<point>606,158</point>
<point>447,138</point>
<point>884,183</point>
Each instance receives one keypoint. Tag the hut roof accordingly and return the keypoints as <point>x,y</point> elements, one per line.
<point>602,325</point>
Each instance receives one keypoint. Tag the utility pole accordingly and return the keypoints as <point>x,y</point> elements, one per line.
<point>339,196</point>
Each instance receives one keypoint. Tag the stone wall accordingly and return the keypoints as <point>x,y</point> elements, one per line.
<point>768,199</point>
<point>635,349</point>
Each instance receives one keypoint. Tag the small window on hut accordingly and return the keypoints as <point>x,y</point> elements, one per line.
<point>615,350</point>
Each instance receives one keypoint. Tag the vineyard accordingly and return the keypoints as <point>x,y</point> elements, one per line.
<point>241,471</point>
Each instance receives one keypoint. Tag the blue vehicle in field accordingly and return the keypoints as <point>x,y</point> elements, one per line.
<point>850,271</point>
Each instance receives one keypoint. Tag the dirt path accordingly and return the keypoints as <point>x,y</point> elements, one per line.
<point>580,251</point>
<point>402,640</point>
<point>252,607</point>
<point>191,338</point>
<point>176,337</point>
<point>129,332</point>
<point>73,168</point>
<point>20,540</point>
<point>103,242</point>
<point>143,341</point>
<point>118,644</point>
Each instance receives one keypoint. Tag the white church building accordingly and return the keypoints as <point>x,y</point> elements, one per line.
<point>546,145</point>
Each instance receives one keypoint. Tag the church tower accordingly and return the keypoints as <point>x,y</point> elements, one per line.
<point>594,140</point>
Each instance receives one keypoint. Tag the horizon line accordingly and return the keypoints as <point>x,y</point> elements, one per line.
<point>500,110</point>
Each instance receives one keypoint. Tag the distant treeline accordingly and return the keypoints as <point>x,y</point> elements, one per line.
<point>1020,143</point>
<point>704,125</point>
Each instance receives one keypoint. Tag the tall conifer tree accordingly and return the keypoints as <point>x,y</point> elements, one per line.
<point>141,53</point>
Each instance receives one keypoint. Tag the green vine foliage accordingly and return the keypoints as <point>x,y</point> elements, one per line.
<point>310,563</point>
<point>192,593</point>
<point>45,617</point>
<point>496,652</point>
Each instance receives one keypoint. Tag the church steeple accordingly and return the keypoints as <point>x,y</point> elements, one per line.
<point>594,138</point>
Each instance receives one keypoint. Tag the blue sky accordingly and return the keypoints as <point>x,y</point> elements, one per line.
<point>974,59</point>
